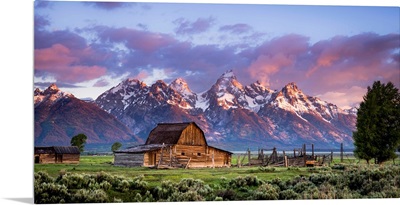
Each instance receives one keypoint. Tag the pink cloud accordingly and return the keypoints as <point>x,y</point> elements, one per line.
<point>60,62</point>
<point>275,55</point>
<point>264,66</point>
<point>345,98</point>
<point>366,49</point>
<point>142,41</point>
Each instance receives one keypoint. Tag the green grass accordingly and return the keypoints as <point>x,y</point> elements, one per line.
<point>95,164</point>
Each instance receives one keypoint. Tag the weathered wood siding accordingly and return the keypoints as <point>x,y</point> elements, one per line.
<point>46,158</point>
<point>128,159</point>
<point>58,158</point>
<point>192,135</point>
<point>151,158</point>
<point>221,158</point>
<point>70,158</point>
<point>199,156</point>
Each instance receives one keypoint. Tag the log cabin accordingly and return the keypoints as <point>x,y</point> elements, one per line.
<point>174,145</point>
<point>57,155</point>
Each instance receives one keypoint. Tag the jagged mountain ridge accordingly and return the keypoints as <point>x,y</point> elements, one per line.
<point>60,115</point>
<point>232,115</point>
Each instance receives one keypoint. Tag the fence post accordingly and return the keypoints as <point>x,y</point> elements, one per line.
<point>213,159</point>
<point>248,155</point>
<point>286,161</point>
<point>170,156</point>
<point>312,150</point>
<point>262,156</point>
<point>284,157</point>
<point>304,155</point>
<point>341,152</point>
<point>331,156</point>
<point>238,160</point>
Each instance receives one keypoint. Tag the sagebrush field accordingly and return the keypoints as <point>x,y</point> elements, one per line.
<point>95,179</point>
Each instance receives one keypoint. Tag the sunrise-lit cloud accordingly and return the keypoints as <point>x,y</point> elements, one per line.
<point>202,46</point>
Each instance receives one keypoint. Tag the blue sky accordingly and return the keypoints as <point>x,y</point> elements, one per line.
<point>333,52</point>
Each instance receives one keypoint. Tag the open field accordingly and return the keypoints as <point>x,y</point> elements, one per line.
<point>95,164</point>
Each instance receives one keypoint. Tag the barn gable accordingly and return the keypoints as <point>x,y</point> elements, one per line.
<point>176,133</point>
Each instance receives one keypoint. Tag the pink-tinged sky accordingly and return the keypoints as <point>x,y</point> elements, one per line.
<point>333,52</point>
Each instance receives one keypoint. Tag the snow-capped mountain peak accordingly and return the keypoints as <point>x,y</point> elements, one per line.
<point>50,94</point>
<point>181,86</point>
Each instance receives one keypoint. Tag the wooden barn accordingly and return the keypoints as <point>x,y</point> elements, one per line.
<point>57,154</point>
<point>174,145</point>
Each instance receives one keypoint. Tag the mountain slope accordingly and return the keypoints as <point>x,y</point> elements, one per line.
<point>59,116</point>
<point>232,116</point>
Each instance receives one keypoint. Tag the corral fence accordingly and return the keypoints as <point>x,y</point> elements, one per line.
<point>296,157</point>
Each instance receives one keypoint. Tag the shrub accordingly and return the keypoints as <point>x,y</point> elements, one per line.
<point>339,166</point>
<point>166,189</point>
<point>288,194</point>
<point>327,191</point>
<point>43,177</point>
<point>76,181</point>
<point>50,193</point>
<point>186,196</point>
<point>302,186</point>
<point>318,179</point>
<point>226,194</point>
<point>265,192</point>
<point>242,182</point>
<point>89,196</point>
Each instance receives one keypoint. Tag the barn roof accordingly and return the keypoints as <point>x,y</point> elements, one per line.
<point>140,148</point>
<point>57,150</point>
<point>167,133</point>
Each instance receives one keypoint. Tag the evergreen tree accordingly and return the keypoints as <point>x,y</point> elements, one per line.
<point>378,126</point>
<point>79,141</point>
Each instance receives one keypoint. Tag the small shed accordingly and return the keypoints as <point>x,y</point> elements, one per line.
<point>174,145</point>
<point>57,154</point>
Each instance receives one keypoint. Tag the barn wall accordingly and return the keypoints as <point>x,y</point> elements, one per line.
<point>128,159</point>
<point>200,156</point>
<point>221,158</point>
<point>70,158</point>
<point>46,158</point>
<point>192,135</point>
<point>151,158</point>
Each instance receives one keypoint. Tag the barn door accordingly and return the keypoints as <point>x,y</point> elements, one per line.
<point>152,158</point>
<point>59,158</point>
<point>37,159</point>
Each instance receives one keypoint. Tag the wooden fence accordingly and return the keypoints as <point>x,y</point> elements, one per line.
<point>295,157</point>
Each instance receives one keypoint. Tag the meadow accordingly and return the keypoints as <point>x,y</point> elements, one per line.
<point>95,180</point>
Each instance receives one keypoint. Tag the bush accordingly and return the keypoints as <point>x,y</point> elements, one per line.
<point>288,194</point>
<point>242,182</point>
<point>43,177</point>
<point>265,192</point>
<point>50,193</point>
<point>89,196</point>
<point>226,194</point>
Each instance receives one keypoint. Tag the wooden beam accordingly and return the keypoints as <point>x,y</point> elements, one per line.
<point>248,155</point>
<point>341,152</point>
<point>312,150</point>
